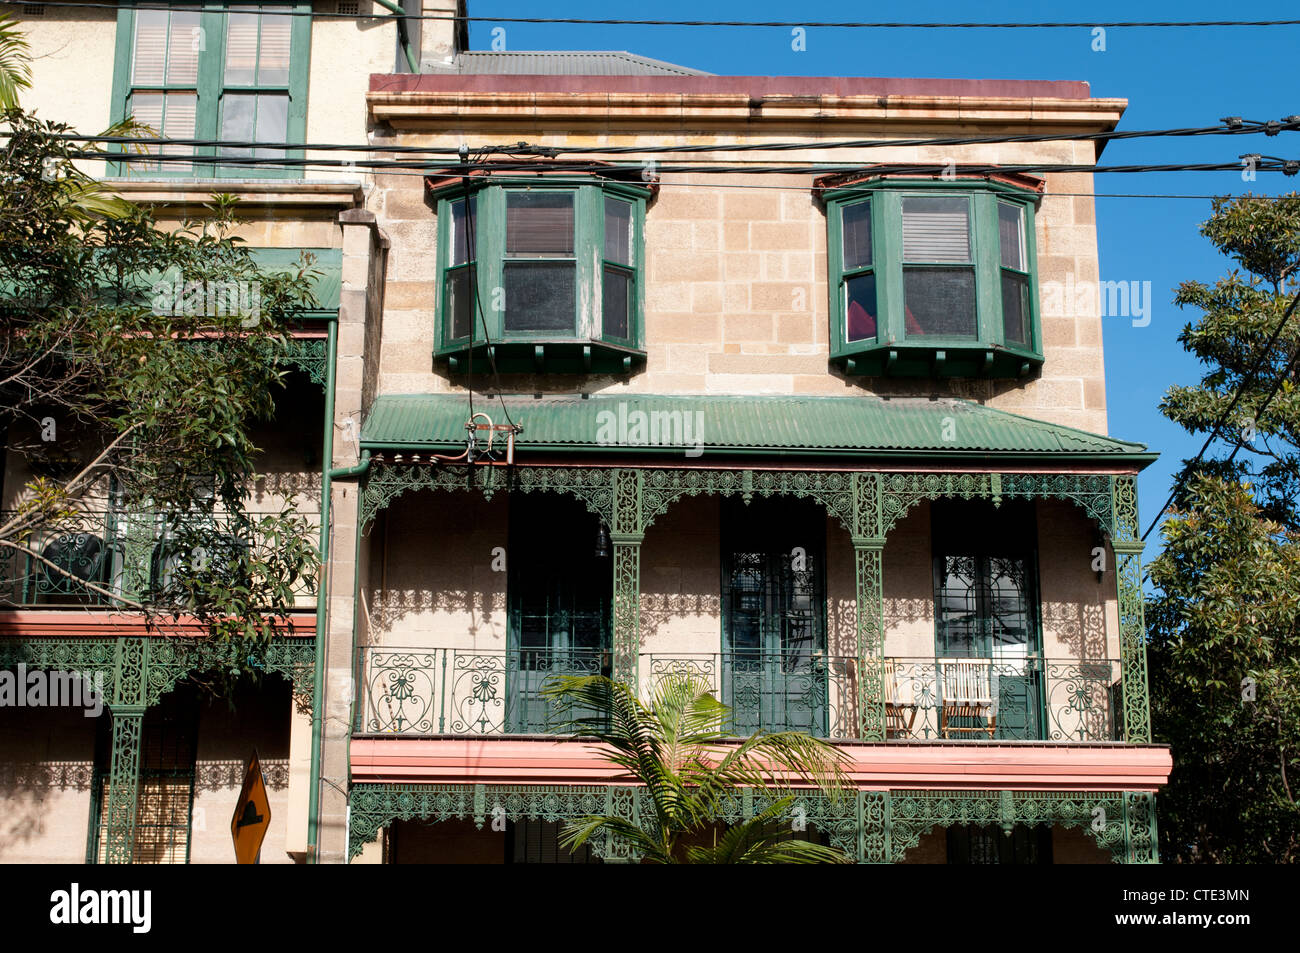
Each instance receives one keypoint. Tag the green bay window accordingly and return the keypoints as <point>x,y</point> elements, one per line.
<point>933,279</point>
<point>548,277</point>
<point>236,73</point>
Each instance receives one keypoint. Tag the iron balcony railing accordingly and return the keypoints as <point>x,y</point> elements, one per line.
<point>102,557</point>
<point>445,691</point>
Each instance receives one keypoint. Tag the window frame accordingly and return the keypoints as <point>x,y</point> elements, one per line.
<point>211,88</point>
<point>893,352</point>
<point>521,349</point>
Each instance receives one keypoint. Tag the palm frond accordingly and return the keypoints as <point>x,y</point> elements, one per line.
<point>766,839</point>
<point>15,63</point>
<point>677,748</point>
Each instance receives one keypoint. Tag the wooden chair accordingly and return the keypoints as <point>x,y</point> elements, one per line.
<point>967,695</point>
<point>900,711</point>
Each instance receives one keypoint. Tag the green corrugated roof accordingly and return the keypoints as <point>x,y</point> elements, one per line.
<point>855,426</point>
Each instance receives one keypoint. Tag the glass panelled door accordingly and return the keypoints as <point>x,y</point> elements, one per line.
<point>774,617</point>
<point>559,593</point>
<point>988,663</point>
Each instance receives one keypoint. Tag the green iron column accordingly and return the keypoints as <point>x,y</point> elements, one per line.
<point>123,784</point>
<point>1141,842</point>
<point>868,571</point>
<point>1132,627</point>
<point>127,708</point>
<point>626,532</point>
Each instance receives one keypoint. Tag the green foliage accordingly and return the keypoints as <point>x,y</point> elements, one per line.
<point>1223,621</point>
<point>677,748</point>
<point>1238,315</point>
<point>15,71</point>
<point>152,353</point>
<point>1225,667</point>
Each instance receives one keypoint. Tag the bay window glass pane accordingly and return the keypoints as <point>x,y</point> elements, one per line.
<point>1015,308</point>
<point>149,58</point>
<point>272,121</point>
<point>147,108</point>
<point>257,48</point>
<point>618,231</point>
<point>460,230</point>
<point>238,116</point>
<point>171,115</point>
<point>273,51</point>
<point>167,47</point>
<point>939,301</point>
<point>615,292</point>
<point>261,117</point>
<point>856,228</point>
<point>185,42</point>
<point>1011,235</point>
<point>539,224</point>
<point>861,307</point>
<point>241,47</point>
<point>936,229</point>
<point>460,301</point>
<point>539,296</point>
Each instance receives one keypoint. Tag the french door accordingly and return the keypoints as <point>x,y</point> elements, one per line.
<point>986,613</point>
<point>774,662</point>
<point>559,595</point>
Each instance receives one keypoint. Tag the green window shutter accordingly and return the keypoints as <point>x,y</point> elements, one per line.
<point>558,269</point>
<point>932,279</point>
<point>238,74</point>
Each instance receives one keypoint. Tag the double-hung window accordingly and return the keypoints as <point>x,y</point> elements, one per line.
<point>548,275</point>
<point>933,278</point>
<point>231,73</point>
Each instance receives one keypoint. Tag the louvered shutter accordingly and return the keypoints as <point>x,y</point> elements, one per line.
<point>936,230</point>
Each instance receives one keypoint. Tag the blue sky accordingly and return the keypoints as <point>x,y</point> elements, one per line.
<point>1171,78</point>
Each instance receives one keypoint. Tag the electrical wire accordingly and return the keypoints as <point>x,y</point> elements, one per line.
<point>1232,405</point>
<point>767,24</point>
<point>1230,126</point>
<point>1261,164</point>
<point>471,249</point>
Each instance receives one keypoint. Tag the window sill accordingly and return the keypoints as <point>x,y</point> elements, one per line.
<point>937,359</point>
<point>176,191</point>
<point>543,356</point>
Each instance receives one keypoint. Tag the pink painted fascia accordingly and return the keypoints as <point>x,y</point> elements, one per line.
<point>753,87</point>
<point>36,623</point>
<point>1009,766</point>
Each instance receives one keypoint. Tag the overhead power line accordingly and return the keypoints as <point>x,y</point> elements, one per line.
<point>1229,126</point>
<point>759,24</point>
<point>1258,163</point>
<point>1232,405</point>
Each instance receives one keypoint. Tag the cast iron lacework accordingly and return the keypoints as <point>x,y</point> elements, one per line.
<point>869,826</point>
<point>867,504</point>
<point>308,356</point>
<point>136,672</point>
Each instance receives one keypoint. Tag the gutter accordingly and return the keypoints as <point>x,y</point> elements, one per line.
<point>318,676</point>
<point>402,36</point>
<point>1144,459</point>
<point>328,476</point>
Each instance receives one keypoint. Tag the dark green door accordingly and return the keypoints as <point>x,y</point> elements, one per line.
<point>774,616</point>
<point>559,594</point>
<point>986,610</point>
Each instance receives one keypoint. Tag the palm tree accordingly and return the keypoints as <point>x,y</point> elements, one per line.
<point>15,63</point>
<point>86,197</point>
<point>677,749</point>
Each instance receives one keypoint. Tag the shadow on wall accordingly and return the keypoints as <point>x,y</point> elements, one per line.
<point>1080,628</point>
<point>659,608</point>
<point>391,606</point>
<point>25,789</point>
